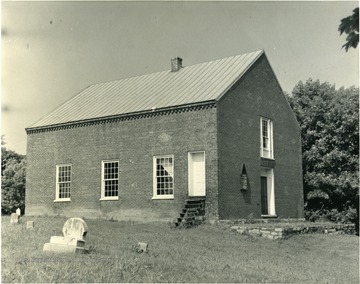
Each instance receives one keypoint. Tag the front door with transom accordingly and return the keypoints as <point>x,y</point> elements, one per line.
<point>196,174</point>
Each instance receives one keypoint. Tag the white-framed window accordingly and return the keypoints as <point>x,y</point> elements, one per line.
<point>110,180</point>
<point>63,182</point>
<point>266,138</point>
<point>163,181</point>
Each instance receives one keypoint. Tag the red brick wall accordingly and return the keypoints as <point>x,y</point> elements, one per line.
<point>133,142</point>
<point>257,94</point>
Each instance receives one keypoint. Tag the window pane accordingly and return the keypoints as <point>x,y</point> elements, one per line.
<point>111,188</point>
<point>64,190</point>
<point>265,142</point>
<point>64,173</point>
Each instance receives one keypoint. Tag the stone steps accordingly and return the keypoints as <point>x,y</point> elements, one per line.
<point>189,215</point>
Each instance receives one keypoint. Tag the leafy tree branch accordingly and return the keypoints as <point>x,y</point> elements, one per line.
<point>350,26</point>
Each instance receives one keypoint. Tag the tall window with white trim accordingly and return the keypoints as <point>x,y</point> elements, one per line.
<point>110,180</point>
<point>163,185</point>
<point>63,182</point>
<point>266,138</point>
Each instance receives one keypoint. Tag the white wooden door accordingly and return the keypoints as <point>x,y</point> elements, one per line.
<point>197,174</point>
<point>268,185</point>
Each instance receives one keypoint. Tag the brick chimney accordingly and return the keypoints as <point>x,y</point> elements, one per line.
<point>176,64</point>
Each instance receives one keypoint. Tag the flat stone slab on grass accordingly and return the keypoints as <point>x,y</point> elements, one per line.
<point>67,241</point>
<point>62,248</point>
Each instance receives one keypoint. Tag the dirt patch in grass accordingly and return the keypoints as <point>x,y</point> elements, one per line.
<point>207,253</point>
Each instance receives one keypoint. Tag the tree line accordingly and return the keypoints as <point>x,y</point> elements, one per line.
<point>329,123</point>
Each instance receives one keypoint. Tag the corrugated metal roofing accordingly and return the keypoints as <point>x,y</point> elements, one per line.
<point>192,84</point>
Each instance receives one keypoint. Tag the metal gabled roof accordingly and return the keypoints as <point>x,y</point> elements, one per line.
<point>191,84</point>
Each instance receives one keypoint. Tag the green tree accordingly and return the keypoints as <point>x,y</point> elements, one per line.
<point>350,26</point>
<point>329,122</point>
<point>9,155</point>
<point>13,173</point>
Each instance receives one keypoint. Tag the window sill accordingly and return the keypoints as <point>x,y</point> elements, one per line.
<point>162,197</point>
<point>267,158</point>
<point>109,198</point>
<point>269,216</point>
<point>62,200</point>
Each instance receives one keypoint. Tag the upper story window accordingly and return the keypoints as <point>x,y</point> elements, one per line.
<point>266,135</point>
<point>110,180</point>
<point>163,168</point>
<point>63,182</point>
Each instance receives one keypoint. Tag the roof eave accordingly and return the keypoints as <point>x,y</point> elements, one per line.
<point>124,115</point>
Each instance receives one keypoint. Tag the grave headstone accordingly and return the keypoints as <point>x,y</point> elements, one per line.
<point>75,228</point>
<point>18,211</point>
<point>75,231</point>
<point>141,247</point>
<point>14,218</point>
<point>30,225</point>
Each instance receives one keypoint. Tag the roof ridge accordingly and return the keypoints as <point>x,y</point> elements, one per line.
<point>169,71</point>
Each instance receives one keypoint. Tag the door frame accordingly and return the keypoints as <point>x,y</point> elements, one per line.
<point>270,176</point>
<point>190,172</point>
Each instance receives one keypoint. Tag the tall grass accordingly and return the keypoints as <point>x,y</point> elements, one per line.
<point>202,254</point>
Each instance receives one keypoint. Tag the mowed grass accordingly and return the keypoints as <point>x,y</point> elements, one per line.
<point>206,253</point>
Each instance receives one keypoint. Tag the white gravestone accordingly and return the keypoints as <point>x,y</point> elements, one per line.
<point>14,218</point>
<point>75,231</point>
<point>30,225</point>
<point>75,228</point>
<point>141,247</point>
<point>18,211</point>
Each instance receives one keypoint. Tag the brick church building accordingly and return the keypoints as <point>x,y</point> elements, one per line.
<point>138,148</point>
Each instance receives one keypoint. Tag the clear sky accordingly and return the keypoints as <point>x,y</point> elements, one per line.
<point>53,50</point>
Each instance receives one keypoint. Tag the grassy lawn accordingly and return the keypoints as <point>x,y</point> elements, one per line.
<point>202,254</point>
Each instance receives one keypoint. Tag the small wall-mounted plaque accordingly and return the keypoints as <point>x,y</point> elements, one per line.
<point>243,182</point>
<point>243,179</point>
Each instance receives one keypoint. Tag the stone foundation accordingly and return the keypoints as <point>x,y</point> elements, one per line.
<point>283,232</point>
